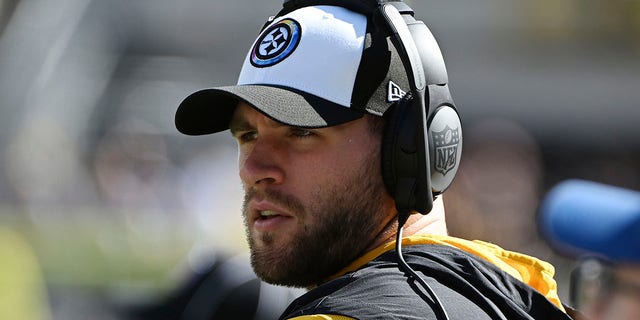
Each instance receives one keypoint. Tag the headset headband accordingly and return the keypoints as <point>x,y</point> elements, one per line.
<point>411,165</point>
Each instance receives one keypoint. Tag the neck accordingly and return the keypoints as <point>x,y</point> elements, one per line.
<point>432,223</point>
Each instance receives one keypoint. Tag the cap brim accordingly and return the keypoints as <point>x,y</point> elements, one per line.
<point>210,110</point>
<point>583,217</point>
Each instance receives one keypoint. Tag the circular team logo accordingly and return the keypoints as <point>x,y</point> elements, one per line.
<point>276,43</point>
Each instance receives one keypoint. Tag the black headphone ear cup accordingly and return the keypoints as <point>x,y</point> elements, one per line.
<point>404,158</point>
<point>394,123</point>
<point>445,147</point>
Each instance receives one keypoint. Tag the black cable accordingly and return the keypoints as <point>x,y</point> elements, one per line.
<point>402,218</point>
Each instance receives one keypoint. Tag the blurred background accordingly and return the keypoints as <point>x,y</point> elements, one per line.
<point>104,204</point>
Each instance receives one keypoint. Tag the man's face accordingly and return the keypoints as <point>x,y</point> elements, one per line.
<point>314,198</point>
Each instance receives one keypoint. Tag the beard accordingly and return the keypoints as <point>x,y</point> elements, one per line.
<point>349,216</point>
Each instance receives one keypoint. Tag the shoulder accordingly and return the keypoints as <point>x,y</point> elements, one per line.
<point>467,286</point>
<point>379,290</point>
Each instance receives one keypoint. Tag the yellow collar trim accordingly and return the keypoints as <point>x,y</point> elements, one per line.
<point>532,271</point>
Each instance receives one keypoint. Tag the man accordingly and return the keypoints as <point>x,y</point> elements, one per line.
<point>312,114</point>
<point>599,224</point>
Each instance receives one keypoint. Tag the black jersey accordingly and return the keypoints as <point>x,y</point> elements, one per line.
<point>468,287</point>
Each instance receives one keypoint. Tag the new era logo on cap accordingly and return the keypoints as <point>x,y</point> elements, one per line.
<point>394,93</point>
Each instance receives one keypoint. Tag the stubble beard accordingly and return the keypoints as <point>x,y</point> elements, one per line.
<point>350,216</point>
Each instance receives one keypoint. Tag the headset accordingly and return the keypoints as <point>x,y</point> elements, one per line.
<point>422,142</point>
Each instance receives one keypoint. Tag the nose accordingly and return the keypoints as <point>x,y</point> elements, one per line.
<point>261,164</point>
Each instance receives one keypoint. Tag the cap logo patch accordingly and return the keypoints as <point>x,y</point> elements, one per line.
<point>276,43</point>
<point>394,93</point>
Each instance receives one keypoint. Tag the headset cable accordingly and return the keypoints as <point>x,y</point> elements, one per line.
<point>402,218</point>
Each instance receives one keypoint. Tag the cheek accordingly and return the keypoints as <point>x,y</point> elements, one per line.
<point>242,158</point>
<point>341,169</point>
<point>356,153</point>
<point>310,179</point>
<point>330,170</point>
<point>310,172</point>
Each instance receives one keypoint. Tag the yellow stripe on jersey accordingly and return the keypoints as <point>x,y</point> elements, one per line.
<point>536,273</point>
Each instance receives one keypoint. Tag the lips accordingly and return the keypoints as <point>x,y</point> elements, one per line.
<point>268,214</point>
<point>267,217</point>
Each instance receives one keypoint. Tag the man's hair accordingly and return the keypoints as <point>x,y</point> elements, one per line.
<point>376,124</point>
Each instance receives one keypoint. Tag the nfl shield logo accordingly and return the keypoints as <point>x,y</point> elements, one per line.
<point>446,149</point>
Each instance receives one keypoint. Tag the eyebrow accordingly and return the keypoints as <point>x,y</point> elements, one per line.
<point>239,126</point>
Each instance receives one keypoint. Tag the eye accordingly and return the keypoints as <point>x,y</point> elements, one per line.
<point>301,132</point>
<point>246,136</point>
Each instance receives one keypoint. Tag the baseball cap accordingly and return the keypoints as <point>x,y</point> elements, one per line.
<point>313,67</point>
<point>582,217</point>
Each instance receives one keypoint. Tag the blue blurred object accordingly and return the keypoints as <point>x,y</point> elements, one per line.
<point>587,218</point>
